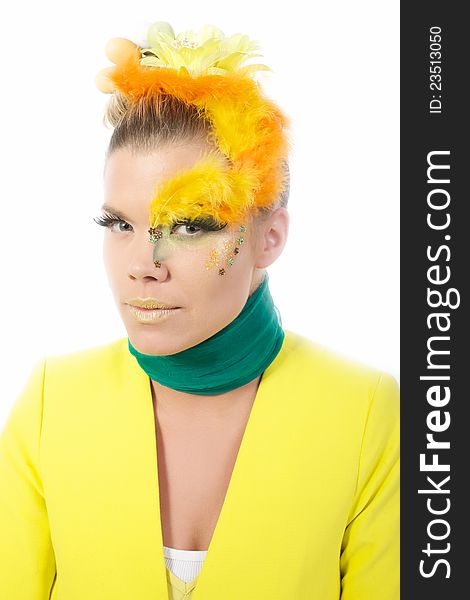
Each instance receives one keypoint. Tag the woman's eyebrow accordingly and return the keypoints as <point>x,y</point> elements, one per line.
<point>116,213</point>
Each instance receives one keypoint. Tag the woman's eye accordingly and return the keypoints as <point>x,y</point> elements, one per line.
<point>191,230</point>
<point>117,223</point>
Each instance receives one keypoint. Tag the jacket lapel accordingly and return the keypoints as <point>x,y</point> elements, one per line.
<point>142,513</point>
<point>232,565</point>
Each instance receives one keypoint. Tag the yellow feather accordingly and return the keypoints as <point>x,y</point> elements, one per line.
<point>191,193</point>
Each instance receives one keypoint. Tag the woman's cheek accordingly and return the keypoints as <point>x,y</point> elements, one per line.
<point>216,251</point>
<point>223,256</point>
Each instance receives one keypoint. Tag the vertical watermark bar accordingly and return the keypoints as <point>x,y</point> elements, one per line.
<point>435,316</point>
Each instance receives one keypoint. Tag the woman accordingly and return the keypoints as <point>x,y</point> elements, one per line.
<point>211,453</point>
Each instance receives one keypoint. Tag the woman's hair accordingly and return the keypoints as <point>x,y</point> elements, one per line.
<point>147,124</point>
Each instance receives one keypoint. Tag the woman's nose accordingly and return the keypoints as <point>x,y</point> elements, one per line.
<point>145,261</point>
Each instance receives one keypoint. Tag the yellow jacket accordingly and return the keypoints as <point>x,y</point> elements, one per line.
<point>311,512</point>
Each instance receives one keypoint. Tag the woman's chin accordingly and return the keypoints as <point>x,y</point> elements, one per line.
<point>159,341</point>
<point>154,343</point>
<point>151,347</point>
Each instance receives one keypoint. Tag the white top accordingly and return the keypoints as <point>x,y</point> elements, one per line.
<point>185,564</point>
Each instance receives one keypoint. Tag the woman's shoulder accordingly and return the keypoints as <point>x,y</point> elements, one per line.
<point>312,365</point>
<point>98,357</point>
<point>321,358</point>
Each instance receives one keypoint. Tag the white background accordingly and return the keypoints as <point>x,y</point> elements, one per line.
<point>335,74</point>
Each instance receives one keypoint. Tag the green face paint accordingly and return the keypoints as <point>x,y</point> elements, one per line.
<point>200,241</point>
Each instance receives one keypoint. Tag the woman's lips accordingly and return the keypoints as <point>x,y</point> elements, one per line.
<point>151,315</point>
<point>151,309</point>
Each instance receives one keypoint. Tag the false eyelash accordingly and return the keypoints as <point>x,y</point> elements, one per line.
<point>206,223</point>
<point>106,220</point>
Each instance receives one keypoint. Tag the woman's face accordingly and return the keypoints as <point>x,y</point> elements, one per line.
<point>188,277</point>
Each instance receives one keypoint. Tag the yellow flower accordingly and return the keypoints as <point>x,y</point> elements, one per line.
<point>207,52</point>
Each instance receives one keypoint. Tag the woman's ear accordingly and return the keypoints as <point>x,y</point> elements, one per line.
<point>271,237</point>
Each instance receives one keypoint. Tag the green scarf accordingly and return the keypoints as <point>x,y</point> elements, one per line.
<point>232,357</point>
